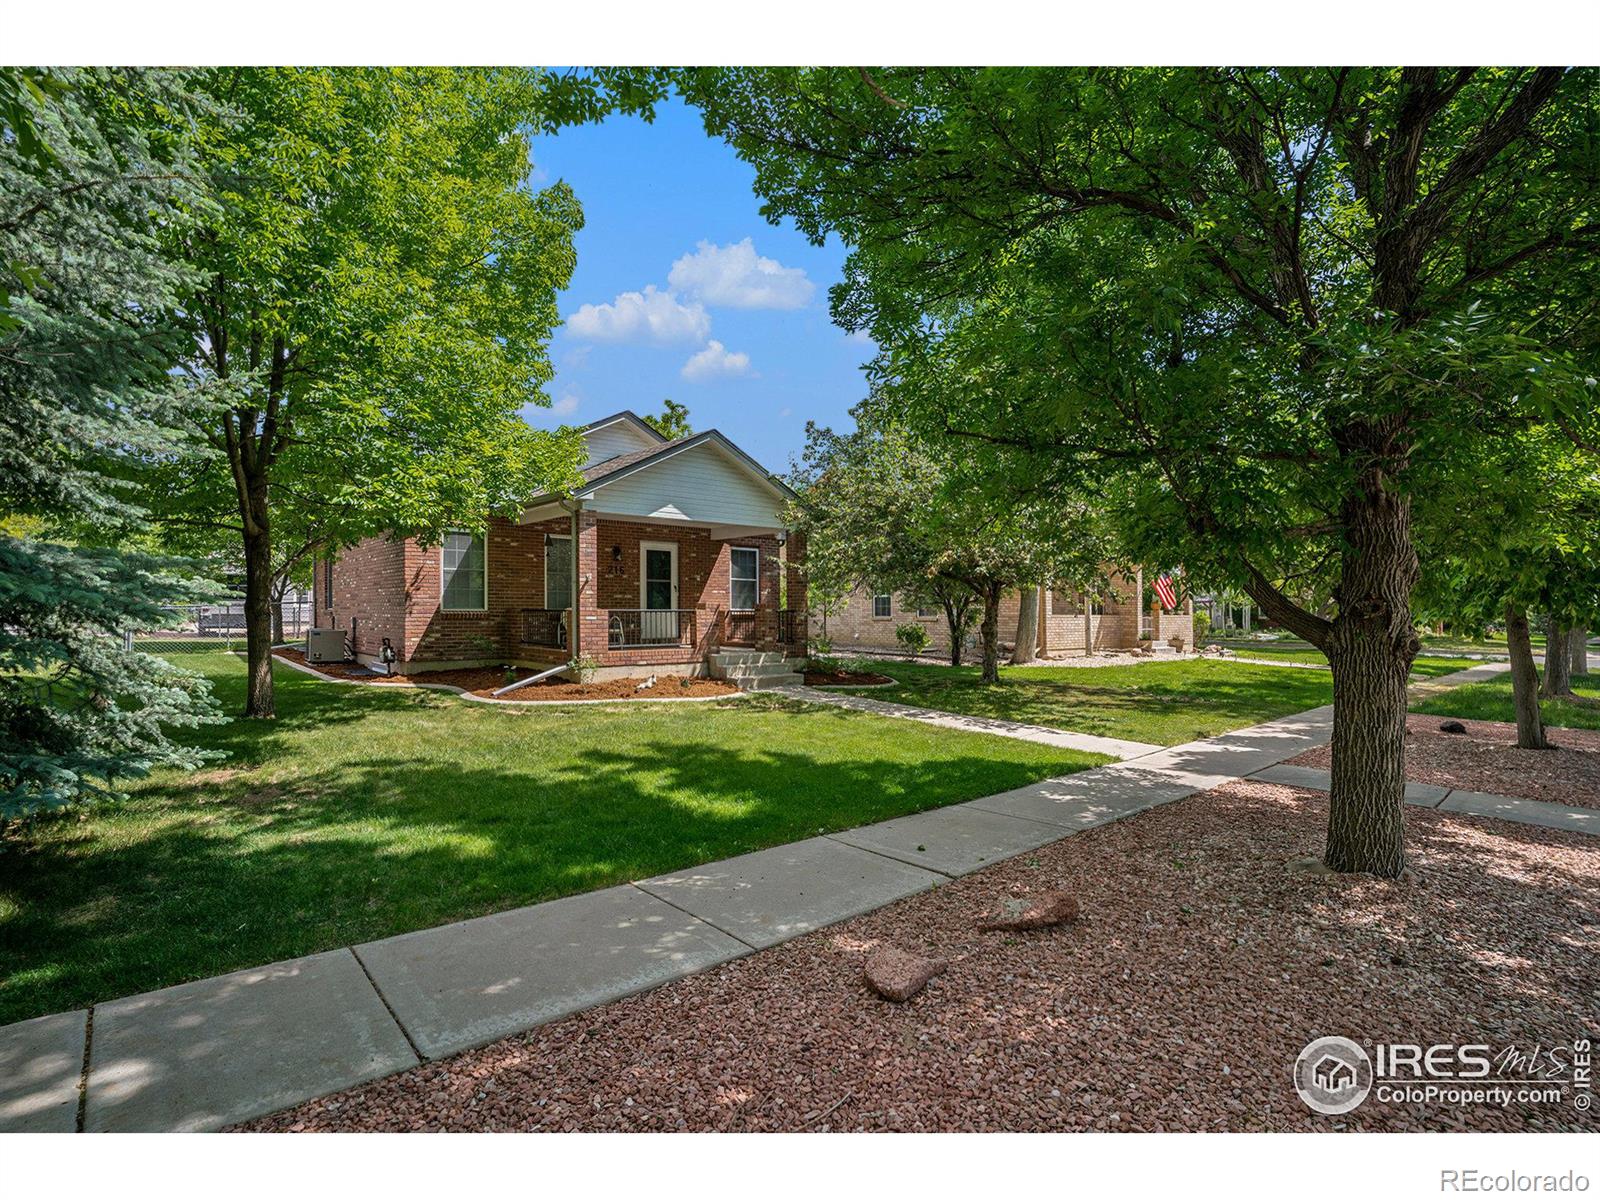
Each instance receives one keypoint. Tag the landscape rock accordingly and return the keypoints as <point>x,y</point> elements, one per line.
<point>1310,865</point>
<point>897,974</point>
<point>1452,727</point>
<point>1045,909</point>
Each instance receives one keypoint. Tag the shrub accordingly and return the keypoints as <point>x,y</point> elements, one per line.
<point>912,636</point>
<point>1202,626</point>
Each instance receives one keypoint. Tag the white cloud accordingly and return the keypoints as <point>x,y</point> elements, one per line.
<point>715,362</point>
<point>565,406</point>
<point>860,338</point>
<point>735,276</point>
<point>786,412</point>
<point>641,316</point>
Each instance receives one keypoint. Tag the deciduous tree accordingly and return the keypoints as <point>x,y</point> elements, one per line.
<point>1275,288</point>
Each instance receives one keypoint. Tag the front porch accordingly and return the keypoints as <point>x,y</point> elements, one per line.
<point>659,594</point>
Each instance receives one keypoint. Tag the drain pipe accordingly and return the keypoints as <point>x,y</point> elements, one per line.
<point>574,636</point>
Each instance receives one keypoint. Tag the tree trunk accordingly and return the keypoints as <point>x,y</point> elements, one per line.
<point>1578,637</point>
<point>991,633</point>
<point>1370,647</point>
<point>259,699</point>
<point>1524,681</point>
<point>279,586</point>
<point>1557,662</point>
<point>956,620</point>
<point>1027,627</point>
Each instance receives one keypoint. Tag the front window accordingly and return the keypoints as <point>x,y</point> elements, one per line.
<point>463,580</point>
<point>880,605</point>
<point>557,572</point>
<point>746,567</point>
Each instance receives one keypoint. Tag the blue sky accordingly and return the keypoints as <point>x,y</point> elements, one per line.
<point>669,300</point>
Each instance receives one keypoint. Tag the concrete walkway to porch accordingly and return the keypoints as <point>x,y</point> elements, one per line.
<point>213,1052</point>
<point>1043,734</point>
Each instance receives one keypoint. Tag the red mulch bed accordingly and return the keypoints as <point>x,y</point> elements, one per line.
<point>482,681</point>
<point>1201,967</point>
<point>667,687</point>
<point>1486,759</point>
<point>844,678</point>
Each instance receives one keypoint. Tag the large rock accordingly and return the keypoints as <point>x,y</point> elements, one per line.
<point>1038,912</point>
<point>897,974</point>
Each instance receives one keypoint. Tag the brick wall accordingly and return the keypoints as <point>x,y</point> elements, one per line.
<point>392,589</point>
<point>854,626</point>
<point>1063,620</point>
<point>368,593</point>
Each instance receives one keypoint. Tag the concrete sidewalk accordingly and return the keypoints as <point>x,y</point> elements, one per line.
<point>210,1053</point>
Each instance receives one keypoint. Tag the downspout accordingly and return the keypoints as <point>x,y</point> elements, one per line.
<point>573,637</point>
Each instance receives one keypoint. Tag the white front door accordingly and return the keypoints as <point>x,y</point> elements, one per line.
<point>658,591</point>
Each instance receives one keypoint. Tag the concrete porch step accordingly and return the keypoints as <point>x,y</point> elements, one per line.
<point>730,658</point>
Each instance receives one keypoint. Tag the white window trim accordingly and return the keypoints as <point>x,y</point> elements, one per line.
<point>484,537</point>
<point>756,550</point>
<point>672,548</point>
<point>888,616</point>
<point>548,538</point>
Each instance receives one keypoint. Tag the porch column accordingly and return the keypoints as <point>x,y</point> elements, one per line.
<point>587,632</point>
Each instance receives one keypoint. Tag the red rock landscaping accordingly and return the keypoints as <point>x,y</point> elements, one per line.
<point>1198,970</point>
<point>1485,759</point>
<point>482,681</point>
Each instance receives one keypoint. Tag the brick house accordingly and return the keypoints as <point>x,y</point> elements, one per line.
<point>1070,622</point>
<point>671,549</point>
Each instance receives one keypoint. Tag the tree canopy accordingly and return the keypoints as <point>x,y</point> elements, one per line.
<point>1282,298</point>
<point>85,384</point>
<point>378,288</point>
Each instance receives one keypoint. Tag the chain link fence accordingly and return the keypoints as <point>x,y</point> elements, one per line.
<point>195,628</point>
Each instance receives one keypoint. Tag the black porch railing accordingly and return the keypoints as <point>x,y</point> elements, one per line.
<point>792,627</point>
<point>739,626</point>
<point>544,627</point>
<point>644,627</point>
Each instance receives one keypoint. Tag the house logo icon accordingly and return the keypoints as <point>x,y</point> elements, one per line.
<point>1333,1075</point>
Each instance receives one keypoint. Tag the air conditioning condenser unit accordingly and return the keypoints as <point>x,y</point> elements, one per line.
<point>325,645</point>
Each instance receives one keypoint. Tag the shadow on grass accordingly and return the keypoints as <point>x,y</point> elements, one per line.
<point>238,865</point>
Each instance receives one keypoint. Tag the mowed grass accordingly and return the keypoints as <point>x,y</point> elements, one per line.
<point>1491,701</point>
<point>1164,703</point>
<point>364,812</point>
<point>1425,666</point>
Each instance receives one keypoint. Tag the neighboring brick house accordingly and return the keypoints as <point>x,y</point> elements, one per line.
<point>1070,622</point>
<point>681,550</point>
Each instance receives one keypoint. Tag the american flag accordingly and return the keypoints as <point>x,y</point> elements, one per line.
<point>1165,591</point>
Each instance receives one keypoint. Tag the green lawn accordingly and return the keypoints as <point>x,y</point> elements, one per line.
<point>362,812</point>
<point>1165,703</point>
<point>1425,665</point>
<point>1491,701</point>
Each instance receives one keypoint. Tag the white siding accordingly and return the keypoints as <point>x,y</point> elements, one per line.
<point>701,485</point>
<point>619,437</point>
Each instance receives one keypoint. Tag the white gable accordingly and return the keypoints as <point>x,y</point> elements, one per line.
<point>620,436</point>
<point>701,484</point>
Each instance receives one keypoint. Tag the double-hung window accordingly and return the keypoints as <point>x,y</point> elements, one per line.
<point>463,574</point>
<point>745,572</point>
<point>880,604</point>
